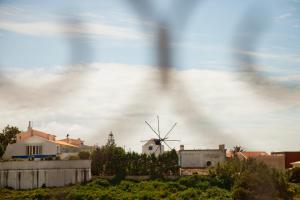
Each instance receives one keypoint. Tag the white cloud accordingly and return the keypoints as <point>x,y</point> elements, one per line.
<point>49,28</point>
<point>120,97</point>
<point>283,16</point>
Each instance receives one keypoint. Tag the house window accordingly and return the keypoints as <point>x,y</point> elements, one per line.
<point>208,163</point>
<point>150,148</point>
<point>34,150</point>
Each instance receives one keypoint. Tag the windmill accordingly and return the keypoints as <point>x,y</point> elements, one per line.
<point>159,141</point>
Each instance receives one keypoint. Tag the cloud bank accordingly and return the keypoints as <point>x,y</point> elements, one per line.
<point>120,97</point>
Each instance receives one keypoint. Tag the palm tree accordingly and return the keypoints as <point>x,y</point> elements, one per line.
<point>237,149</point>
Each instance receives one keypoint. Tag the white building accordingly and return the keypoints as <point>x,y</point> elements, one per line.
<point>153,146</point>
<point>194,161</point>
<point>37,144</point>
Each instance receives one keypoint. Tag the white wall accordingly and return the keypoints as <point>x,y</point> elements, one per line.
<point>33,174</point>
<point>19,149</point>
<point>199,158</point>
<point>145,148</point>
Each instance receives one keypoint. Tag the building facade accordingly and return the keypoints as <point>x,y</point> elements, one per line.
<point>289,157</point>
<point>153,146</point>
<point>195,161</point>
<point>37,144</point>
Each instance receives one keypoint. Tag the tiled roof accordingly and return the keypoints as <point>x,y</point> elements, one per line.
<point>64,143</point>
<point>42,133</point>
<point>249,154</point>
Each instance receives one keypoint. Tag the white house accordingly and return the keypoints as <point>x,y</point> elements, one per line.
<point>194,161</point>
<point>153,146</point>
<point>37,144</point>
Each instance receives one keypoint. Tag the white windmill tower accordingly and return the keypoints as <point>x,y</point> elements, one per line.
<point>155,145</point>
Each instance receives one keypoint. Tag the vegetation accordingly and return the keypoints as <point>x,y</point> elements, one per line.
<point>84,155</point>
<point>234,179</point>
<point>7,136</point>
<point>103,189</point>
<point>294,175</point>
<point>249,179</point>
<point>112,160</point>
<point>185,188</point>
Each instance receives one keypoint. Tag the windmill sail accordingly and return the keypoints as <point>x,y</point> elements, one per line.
<point>157,143</point>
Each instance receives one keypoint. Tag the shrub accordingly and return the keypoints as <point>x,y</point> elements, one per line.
<point>99,183</point>
<point>295,175</point>
<point>175,187</point>
<point>74,157</point>
<point>240,193</point>
<point>84,155</point>
<point>193,181</point>
<point>40,194</point>
<point>189,194</point>
<point>217,194</point>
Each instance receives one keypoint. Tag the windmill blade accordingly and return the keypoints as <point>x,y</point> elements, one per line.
<point>167,144</point>
<point>152,129</point>
<point>166,136</point>
<point>144,140</point>
<point>158,126</point>
<point>159,149</point>
<point>173,140</point>
<point>156,149</point>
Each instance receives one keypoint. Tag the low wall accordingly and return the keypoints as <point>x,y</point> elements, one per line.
<point>34,174</point>
<point>273,161</point>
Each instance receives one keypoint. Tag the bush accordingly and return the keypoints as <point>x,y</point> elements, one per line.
<point>295,175</point>
<point>84,155</point>
<point>193,181</point>
<point>74,157</point>
<point>251,180</point>
<point>217,194</point>
<point>189,194</point>
<point>240,193</point>
<point>99,183</point>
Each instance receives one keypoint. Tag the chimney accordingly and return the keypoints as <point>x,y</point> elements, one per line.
<point>181,147</point>
<point>30,128</point>
<point>222,147</point>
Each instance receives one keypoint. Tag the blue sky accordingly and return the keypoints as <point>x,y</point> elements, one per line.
<point>208,36</point>
<point>42,35</point>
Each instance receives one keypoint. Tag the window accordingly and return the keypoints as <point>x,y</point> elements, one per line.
<point>208,163</point>
<point>150,148</point>
<point>27,150</point>
<point>33,150</point>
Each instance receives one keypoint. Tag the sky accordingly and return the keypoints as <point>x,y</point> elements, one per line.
<point>86,68</point>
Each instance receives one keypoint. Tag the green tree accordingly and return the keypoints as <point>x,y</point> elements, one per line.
<point>109,159</point>
<point>97,161</point>
<point>250,179</point>
<point>7,136</point>
<point>294,175</point>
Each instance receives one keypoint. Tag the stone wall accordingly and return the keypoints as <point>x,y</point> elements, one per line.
<point>273,161</point>
<point>34,174</point>
<point>200,158</point>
